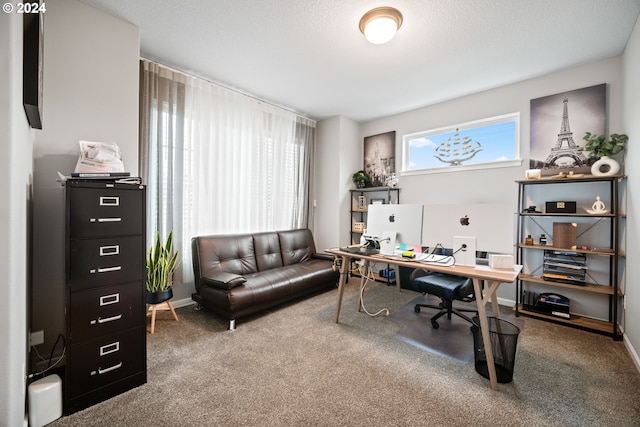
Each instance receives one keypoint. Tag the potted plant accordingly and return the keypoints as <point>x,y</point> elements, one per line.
<point>599,146</point>
<point>361,178</point>
<point>161,263</point>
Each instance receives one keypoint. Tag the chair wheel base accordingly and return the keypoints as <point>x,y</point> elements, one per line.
<point>435,324</point>
<point>416,309</point>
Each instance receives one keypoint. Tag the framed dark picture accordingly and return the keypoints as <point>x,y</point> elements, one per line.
<point>558,123</point>
<point>380,157</point>
<point>33,55</point>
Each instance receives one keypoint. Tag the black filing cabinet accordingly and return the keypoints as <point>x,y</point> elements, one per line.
<point>105,278</point>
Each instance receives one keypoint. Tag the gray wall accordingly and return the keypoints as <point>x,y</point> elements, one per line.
<point>497,185</point>
<point>631,121</point>
<point>493,185</point>
<point>90,93</point>
<point>336,160</point>
<point>16,146</point>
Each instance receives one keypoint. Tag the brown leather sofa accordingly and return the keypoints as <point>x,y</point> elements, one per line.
<point>239,275</point>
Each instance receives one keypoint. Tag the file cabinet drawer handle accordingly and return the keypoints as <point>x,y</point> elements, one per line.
<point>109,269</point>
<point>109,201</point>
<point>110,348</point>
<point>109,250</point>
<point>103,220</point>
<point>106,319</point>
<point>101,371</point>
<point>109,299</point>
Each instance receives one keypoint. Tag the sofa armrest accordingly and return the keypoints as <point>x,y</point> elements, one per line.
<point>326,257</point>
<point>224,281</point>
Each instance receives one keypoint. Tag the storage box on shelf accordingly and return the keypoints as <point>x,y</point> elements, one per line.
<point>590,269</point>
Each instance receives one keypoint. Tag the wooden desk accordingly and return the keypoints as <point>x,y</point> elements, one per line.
<point>493,278</point>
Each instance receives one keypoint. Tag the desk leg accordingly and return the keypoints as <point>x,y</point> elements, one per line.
<point>484,327</point>
<point>344,270</point>
<point>398,284</point>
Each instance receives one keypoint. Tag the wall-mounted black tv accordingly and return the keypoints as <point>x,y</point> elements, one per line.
<point>32,68</point>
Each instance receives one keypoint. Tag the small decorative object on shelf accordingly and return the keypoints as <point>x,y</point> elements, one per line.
<point>598,207</point>
<point>533,174</point>
<point>361,178</point>
<point>528,240</point>
<point>362,203</point>
<point>565,235</point>
<point>392,180</point>
<point>543,240</point>
<point>599,146</point>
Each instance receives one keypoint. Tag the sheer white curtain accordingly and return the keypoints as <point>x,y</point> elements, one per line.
<point>222,162</point>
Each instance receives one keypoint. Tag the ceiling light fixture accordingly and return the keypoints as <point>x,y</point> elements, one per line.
<point>379,25</point>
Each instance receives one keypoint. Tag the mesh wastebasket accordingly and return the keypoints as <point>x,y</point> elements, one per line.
<point>504,340</point>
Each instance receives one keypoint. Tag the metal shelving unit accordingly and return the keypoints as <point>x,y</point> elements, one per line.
<point>529,279</point>
<point>387,195</point>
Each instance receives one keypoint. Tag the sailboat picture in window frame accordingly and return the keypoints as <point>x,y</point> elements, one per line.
<point>479,144</point>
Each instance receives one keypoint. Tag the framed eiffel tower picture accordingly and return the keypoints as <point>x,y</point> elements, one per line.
<point>558,123</point>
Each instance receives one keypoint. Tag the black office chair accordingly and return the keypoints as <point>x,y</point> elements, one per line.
<point>449,288</point>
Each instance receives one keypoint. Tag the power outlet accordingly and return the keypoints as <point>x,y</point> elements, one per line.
<point>36,338</point>
<point>467,253</point>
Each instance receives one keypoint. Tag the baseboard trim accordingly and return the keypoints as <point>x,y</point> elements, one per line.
<point>176,303</point>
<point>632,352</point>
<point>184,302</point>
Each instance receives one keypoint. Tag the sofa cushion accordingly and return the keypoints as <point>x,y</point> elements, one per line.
<point>270,287</point>
<point>296,246</point>
<point>267,249</point>
<point>224,280</point>
<point>228,254</point>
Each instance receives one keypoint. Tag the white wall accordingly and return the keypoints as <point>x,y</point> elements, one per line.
<point>631,120</point>
<point>91,93</point>
<point>338,155</point>
<point>16,142</point>
<point>492,185</point>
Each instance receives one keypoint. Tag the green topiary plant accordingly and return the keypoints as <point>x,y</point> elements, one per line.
<point>361,178</point>
<point>598,146</point>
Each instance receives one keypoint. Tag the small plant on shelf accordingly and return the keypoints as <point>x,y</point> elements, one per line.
<point>361,178</point>
<point>599,146</point>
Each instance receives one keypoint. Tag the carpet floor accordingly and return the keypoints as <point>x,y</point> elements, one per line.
<point>293,366</point>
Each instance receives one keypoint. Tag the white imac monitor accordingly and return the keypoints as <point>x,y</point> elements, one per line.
<point>403,219</point>
<point>491,224</point>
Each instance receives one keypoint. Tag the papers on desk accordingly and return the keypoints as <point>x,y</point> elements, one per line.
<point>430,259</point>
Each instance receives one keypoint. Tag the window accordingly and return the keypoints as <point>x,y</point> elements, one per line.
<point>219,162</point>
<point>480,144</point>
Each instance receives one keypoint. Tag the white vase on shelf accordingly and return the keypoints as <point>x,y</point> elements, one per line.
<point>605,166</point>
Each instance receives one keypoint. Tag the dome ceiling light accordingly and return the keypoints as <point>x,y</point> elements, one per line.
<point>379,25</point>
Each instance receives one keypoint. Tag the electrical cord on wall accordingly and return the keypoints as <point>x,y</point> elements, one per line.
<point>49,365</point>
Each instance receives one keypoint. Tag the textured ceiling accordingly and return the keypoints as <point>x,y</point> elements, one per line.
<point>309,56</point>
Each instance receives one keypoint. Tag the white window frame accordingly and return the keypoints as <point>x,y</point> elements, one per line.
<point>408,138</point>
